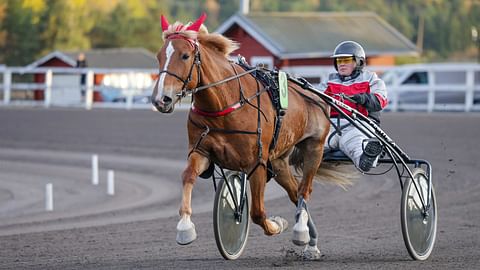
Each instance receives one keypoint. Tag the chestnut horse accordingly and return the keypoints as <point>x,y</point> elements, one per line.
<point>231,123</point>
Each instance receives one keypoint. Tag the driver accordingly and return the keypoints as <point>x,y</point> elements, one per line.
<point>362,90</point>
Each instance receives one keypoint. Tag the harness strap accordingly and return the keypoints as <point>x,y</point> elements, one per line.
<point>243,100</point>
<point>259,162</point>
<point>223,112</point>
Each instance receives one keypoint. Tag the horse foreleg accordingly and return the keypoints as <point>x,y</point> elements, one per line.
<point>272,225</point>
<point>185,228</point>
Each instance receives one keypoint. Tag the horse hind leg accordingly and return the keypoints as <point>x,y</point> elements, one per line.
<point>305,232</point>
<point>285,178</point>
<point>301,230</point>
<point>186,232</point>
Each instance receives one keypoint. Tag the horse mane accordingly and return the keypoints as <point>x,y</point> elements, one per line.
<point>218,42</point>
<point>214,41</point>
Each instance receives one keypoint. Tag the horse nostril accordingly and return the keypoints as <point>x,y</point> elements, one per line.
<point>167,100</point>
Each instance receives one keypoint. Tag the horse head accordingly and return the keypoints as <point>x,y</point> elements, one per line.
<point>179,63</point>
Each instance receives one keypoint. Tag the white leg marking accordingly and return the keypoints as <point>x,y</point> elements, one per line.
<point>185,223</point>
<point>169,52</point>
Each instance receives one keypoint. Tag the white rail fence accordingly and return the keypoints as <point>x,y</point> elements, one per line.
<point>424,87</point>
<point>74,87</point>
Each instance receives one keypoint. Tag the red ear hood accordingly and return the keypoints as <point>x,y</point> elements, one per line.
<point>164,23</point>
<point>196,25</point>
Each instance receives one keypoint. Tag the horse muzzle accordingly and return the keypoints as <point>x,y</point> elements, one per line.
<point>164,104</point>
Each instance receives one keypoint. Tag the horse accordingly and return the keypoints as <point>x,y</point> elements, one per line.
<point>232,123</point>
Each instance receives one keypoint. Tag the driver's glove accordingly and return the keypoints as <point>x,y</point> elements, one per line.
<point>359,98</point>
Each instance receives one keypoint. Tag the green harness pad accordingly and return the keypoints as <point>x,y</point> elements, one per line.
<point>283,89</point>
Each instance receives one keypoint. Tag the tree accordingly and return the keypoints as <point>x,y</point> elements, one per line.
<point>21,37</point>
<point>66,24</point>
<point>131,24</point>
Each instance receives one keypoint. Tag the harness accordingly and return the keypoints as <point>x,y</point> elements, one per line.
<point>269,81</point>
<point>243,100</point>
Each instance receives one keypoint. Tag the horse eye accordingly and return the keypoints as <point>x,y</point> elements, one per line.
<point>185,56</point>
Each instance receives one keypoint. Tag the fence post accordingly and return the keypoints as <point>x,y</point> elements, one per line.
<point>129,97</point>
<point>431,91</point>
<point>470,84</point>
<point>7,86</point>
<point>89,91</point>
<point>394,90</point>
<point>48,88</point>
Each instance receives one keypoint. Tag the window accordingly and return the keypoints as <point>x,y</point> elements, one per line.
<point>420,77</point>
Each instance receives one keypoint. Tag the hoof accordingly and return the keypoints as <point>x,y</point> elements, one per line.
<point>186,237</point>
<point>301,235</point>
<point>281,223</point>
<point>311,253</point>
<point>186,233</point>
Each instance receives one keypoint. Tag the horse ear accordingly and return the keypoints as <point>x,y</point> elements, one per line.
<point>164,23</point>
<point>196,25</point>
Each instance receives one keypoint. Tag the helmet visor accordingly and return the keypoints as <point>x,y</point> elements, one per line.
<point>344,60</point>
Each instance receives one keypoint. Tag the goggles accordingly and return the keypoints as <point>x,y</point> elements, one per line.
<point>344,60</point>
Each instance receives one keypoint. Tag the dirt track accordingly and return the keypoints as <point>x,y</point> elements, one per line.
<point>358,229</point>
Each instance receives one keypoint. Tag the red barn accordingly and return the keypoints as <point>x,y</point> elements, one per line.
<point>302,42</point>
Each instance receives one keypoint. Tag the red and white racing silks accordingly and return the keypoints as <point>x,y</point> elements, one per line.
<point>367,83</point>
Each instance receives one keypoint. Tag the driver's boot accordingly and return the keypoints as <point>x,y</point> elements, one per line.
<point>372,149</point>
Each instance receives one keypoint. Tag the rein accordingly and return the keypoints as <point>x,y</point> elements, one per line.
<point>236,76</point>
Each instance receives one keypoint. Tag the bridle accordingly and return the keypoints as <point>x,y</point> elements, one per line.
<point>197,62</point>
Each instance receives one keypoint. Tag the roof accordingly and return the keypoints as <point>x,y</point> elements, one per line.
<point>105,58</point>
<point>309,35</point>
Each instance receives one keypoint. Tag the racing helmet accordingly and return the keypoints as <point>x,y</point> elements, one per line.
<point>350,48</point>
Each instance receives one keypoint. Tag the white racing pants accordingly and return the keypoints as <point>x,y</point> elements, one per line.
<point>350,142</point>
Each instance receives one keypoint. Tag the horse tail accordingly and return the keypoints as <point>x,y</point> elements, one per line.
<point>338,173</point>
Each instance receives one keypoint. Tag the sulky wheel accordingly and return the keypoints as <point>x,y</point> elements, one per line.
<point>419,228</point>
<point>230,223</point>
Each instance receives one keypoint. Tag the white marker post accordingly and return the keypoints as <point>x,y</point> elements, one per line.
<point>49,197</point>
<point>111,183</point>
<point>95,169</point>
